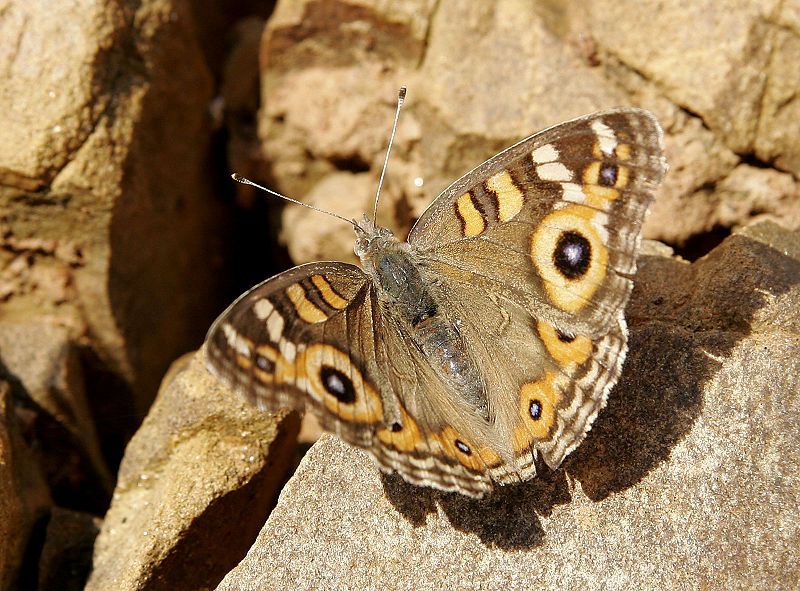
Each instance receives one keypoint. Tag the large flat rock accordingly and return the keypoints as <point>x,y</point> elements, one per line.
<point>688,480</point>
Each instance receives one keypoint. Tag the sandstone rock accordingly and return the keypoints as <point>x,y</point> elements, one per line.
<point>491,74</point>
<point>313,236</point>
<point>24,500</point>
<point>197,480</point>
<point>42,365</point>
<point>689,478</point>
<point>238,102</point>
<point>105,207</point>
<point>714,63</point>
<point>776,136</point>
<point>749,192</point>
<point>66,557</point>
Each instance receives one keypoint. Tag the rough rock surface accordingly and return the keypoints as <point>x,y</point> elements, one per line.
<point>103,108</point>
<point>66,556</point>
<point>41,364</point>
<point>117,118</point>
<point>484,75</point>
<point>24,499</point>
<point>688,480</point>
<point>197,480</point>
<point>734,68</point>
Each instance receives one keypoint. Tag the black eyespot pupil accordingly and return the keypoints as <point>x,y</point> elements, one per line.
<point>572,255</point>
<point>608,175</point>
<point>337,384</point>
<point>264,363</point>
<point>463,447</point>
<point>535,410</point>
<point>564,338</point>
<point>396,427</point>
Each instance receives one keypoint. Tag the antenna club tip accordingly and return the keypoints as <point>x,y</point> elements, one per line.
<point>402,94</point>
<point>235,176</point>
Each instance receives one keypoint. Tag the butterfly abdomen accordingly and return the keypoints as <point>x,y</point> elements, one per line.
<point>412,302</point>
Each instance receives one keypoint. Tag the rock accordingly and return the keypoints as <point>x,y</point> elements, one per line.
<point>717,65</point>
<point>689,478</point>
<point>313,236</point>
<point>66,557</point>
<point>105,196</point>
<point>196,483</point>
<point>238,100</point>
<point>491,74</point>
<point>24,499</point>
<point>776,137</point>
<point>749,192</point>
<point>42,364</point>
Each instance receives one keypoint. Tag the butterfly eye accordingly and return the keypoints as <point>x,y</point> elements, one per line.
<point>572,255</point>
<point>337,384</point>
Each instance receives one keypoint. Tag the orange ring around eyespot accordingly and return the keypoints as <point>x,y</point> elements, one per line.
<point>408,439</point>
<point>576,351</point>
<point>477,458</point>
<point>570,295</point>
<point>367,406</point>
<point>548,394</point>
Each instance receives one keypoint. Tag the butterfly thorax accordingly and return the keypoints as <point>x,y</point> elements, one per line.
<point>414,304</point>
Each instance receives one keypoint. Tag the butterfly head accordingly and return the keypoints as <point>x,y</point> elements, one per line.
<point>370,238</point>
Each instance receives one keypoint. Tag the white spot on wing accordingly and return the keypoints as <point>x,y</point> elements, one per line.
<point>573,192</point>
<point>600,222</point>
<point>275,327</point>
<point>288,350</point>
<point>263,308</point>
<point>606,136</point>
<point>236,341</point>
<point>546,153</point>
<point>554,171</point>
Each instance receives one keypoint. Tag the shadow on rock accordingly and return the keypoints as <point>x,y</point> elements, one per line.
<point>684,321</point>
<point>507,518</point>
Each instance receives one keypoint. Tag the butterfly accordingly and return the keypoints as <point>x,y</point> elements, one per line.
<point>490,338</point>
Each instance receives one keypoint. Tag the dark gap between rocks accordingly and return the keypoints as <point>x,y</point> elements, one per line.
<point>353,163</point>
<point>28,574</point>
<point>699,245</point>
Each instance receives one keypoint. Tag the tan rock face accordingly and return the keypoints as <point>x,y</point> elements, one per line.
<point>113,247</point>
<point>43,368</point>
<point>197,481</point>
<point>490,74</point>
<point>66,557</point>
<point>24,500</point>
<point>690,472</point>
<point>104,210</point>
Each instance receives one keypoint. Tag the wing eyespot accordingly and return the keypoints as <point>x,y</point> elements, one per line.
<point>535,409</point>
<point>337,384</point>
<point>572,254</point>
<point>333,379</point>
<point>462,447</point>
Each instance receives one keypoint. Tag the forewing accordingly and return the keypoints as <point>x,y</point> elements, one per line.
<point>305,338</point>
<point>554,221</point>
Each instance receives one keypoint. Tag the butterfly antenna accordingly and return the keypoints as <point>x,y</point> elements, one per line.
<point>401,96</point>
<point>245,181</point>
